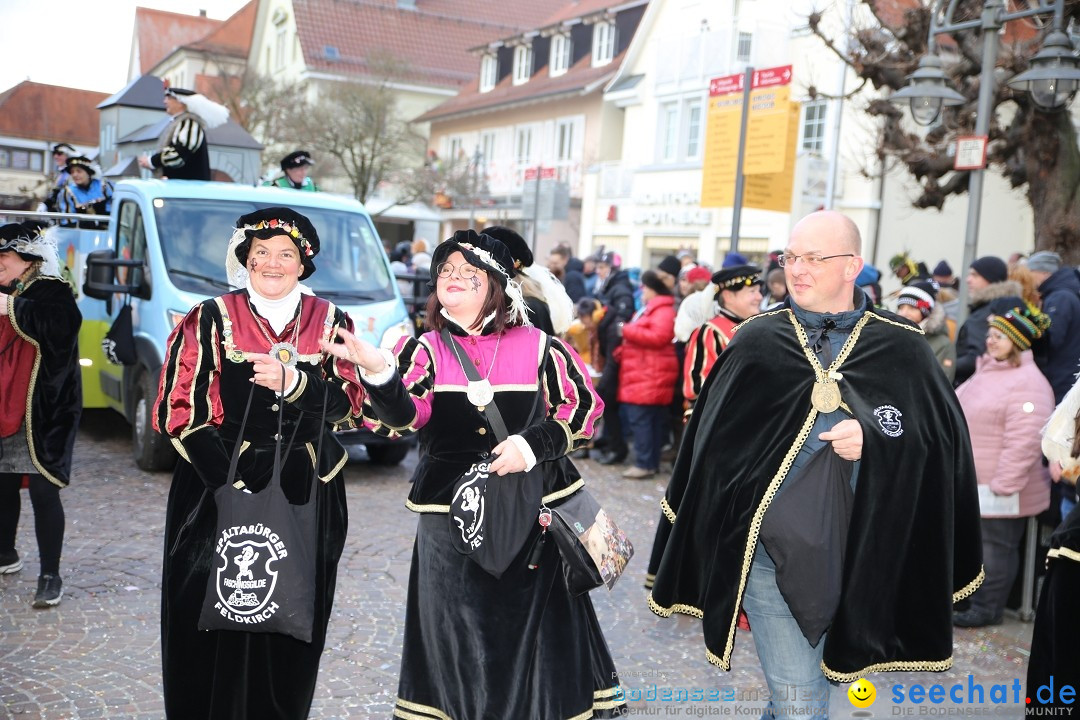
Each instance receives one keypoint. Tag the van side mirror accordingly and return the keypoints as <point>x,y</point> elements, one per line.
<point>100,282</point>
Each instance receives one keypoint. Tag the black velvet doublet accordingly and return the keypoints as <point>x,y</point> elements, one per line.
<point>913,545</point>
<point>45,315</point>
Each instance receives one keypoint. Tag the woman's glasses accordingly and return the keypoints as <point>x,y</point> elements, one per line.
<point>465,271</point>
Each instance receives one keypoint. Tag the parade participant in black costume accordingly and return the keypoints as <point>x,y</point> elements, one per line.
<point>213,356</point>
<point>60,154</point>
<point>40,397</point>
<point>476,646</point>
<point>848,380</point>
<point>184,154</point>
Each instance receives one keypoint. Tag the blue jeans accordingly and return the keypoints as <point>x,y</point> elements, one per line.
<point>650,425</point>
<point>792,667</point>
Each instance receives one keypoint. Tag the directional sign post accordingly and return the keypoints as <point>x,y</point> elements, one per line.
<point>756,105</point>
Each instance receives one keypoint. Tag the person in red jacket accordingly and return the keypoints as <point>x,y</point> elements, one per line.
<point>648,371</point>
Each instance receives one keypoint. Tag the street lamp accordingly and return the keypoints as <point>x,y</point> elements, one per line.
<point>1052,81</point>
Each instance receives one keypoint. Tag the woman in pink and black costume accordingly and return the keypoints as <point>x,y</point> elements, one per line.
<point>267,333</point>
<point>519,646</point>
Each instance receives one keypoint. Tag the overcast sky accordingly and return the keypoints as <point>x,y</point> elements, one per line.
<point>81,43</point>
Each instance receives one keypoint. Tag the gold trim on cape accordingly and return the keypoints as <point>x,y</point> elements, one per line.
<point>893,666</point>
<point>970,587</point>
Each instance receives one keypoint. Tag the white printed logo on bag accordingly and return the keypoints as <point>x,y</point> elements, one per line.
<point>246,580</point>
<point>468,507</point>
<point>888,419</point>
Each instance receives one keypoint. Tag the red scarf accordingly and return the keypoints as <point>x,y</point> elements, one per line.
<point>16,366</point>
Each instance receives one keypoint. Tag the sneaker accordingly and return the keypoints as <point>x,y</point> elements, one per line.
<point>10,562</point>
<point>636,473</point>
<point>49,591</point>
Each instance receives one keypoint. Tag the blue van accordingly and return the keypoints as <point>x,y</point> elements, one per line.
<point>165,249</point>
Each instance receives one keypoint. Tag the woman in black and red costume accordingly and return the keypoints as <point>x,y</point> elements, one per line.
<point>269,333</point>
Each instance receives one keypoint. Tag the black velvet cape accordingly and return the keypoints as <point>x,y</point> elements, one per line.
<point>913,544</point>
<point>1054,650</point>
<point>45,315</point>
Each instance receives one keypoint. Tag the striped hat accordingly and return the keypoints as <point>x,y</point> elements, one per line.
<point>1022,325</point>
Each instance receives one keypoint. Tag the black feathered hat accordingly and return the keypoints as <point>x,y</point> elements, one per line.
<point>519,249</point>
<point>296,159</point>
<point>273,221</point>
<point>481,250</point>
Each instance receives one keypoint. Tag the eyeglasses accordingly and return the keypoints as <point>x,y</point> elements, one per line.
<point>810,259</point>
<point>464,271</point>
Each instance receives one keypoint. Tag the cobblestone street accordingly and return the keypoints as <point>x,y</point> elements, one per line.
<point>97,654</point>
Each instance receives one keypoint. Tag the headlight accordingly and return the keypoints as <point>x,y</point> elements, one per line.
<point>394,333</point>
<point>175,316</point>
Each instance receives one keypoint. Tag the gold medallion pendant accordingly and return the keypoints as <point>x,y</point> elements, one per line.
<point>826,396</point>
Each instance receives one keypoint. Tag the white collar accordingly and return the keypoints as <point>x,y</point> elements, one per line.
<point>278,312</point>
<point>450,317</point>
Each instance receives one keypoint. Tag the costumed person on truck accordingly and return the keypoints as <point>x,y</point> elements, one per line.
<point>40,397</point>
<point>256,347</point>
<point>535,652</point>
<point>820,411</point>
<point>295,169</point>
<point>184,153</point>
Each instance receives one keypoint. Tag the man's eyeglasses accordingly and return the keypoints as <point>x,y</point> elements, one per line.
<point>810,259</point>
<point>464,271</point>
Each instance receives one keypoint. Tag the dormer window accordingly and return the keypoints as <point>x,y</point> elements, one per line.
<point>560,55</point>
<point>489,72</point>
<point>603,39</point>
<point>523,61</point>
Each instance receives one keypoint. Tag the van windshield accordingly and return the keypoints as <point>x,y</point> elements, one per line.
<point>194,233</point>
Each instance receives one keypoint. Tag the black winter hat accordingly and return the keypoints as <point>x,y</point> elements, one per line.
<point>519,249</point>
<point>942,269</point>
<point>671,265</point>
<point>273,221</point>
<point>992,269</point>
<point>651,280</point>
<point>82,162</point>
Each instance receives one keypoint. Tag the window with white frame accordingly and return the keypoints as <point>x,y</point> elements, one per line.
<point>489,72</point>
<point>454,148</point>
<point>523,60</point>
<point>523,145</point>
<point>279,48</point>
<point>487,146</point>
<point>693,129</point>
<point>746,42</point>
<point>564,139</point>
<point>813,125</point>
<point>560,55</point>
<point>603,49</point>
<point>680,130</point>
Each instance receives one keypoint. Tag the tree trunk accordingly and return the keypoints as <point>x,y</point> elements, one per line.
<point>1052,162</point>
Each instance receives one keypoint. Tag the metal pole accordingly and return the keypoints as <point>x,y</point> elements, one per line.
<point>536,205</point>
<point>474,182</point>
<point>834,151</point>
<point>989,39</point>
<point>736,214</point>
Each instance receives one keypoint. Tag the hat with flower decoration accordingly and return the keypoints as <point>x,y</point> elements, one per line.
<point>271,222</point>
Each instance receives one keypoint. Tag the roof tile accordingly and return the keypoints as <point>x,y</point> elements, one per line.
<point>159,33</point>
<point>51,113</point>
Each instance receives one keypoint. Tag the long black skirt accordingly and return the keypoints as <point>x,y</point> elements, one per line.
<point>520,647</point>
<point>225,674</point>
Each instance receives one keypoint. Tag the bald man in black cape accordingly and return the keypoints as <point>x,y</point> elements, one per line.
<point>825,373</point>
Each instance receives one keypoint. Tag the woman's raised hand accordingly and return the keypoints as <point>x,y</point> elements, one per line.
<point>355,350</point>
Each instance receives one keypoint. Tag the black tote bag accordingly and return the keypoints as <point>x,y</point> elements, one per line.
<point>119,342</point>
<point>491,516</point>
<point>263,575</point>
<point>805,533</point>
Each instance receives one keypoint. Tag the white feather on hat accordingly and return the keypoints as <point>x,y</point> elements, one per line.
<point>560,306</point>
<point>212,113</point>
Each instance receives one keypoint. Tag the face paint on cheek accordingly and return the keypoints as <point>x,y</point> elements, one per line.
<point>475,284</point>
<point>252,265</point>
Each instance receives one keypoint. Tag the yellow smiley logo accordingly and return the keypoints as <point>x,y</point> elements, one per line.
<point>862,693</point>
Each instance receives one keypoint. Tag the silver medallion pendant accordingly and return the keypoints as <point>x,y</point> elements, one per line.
<point>480,392</point>
<point>285,353</point>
